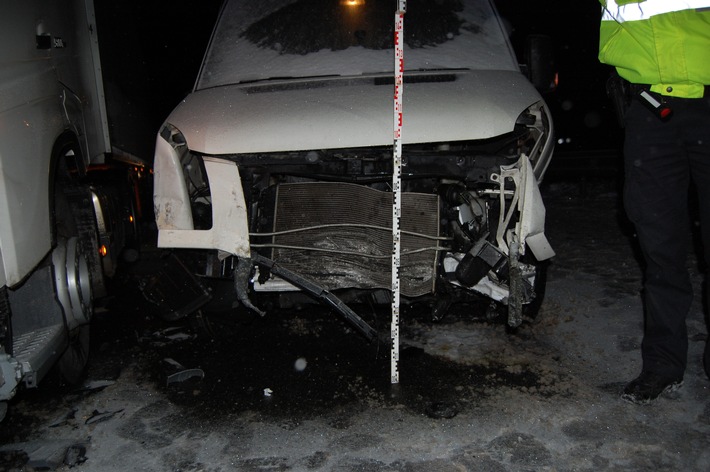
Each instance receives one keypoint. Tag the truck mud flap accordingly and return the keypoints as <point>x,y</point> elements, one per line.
<point>319,294</point>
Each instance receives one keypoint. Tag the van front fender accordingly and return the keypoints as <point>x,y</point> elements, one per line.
<point>230,230</point>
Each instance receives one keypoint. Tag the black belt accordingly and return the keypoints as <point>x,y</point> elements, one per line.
<point>638,88</point>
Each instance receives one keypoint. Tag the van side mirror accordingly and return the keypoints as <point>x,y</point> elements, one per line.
<point>540,62</point>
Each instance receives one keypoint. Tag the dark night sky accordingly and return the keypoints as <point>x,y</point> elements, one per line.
<point>151,55</point>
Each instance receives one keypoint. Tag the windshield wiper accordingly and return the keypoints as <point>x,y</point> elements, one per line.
<point>288,77</point>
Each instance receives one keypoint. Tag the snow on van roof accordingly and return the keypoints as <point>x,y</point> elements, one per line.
<point>265,39</point>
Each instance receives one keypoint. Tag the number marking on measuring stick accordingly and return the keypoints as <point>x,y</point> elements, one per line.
<point>397,182</point>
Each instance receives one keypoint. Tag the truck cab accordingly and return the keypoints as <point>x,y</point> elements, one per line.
<point>60,232</point>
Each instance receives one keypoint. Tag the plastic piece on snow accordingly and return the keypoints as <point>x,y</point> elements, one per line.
<point>75,455</point>
<point>184,375</point>
<point>99,417</point>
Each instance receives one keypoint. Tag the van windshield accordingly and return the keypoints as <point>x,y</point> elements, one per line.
<point>274,39</point>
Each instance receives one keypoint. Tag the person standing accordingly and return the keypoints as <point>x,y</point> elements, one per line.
<point>661,51</point>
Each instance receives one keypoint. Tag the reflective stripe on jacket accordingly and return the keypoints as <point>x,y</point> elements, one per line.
<point>663,43</point>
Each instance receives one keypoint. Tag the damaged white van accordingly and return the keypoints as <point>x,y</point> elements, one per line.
<point>277,168</point>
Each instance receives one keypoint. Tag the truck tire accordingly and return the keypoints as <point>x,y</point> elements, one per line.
<point>73,290</point>
<point>72,365</point>
<point>72,269</point>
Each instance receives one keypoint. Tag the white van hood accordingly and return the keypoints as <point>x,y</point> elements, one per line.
<point>328,113</point>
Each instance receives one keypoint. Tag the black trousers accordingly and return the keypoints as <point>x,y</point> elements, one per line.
<point>661,160</point>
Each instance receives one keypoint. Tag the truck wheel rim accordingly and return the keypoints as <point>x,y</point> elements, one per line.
<point>73,281</point>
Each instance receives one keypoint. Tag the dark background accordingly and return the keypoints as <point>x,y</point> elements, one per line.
<point>586,127</point>
<point>151,53</point>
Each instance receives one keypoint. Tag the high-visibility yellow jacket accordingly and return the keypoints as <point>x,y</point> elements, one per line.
<point>662,43</point>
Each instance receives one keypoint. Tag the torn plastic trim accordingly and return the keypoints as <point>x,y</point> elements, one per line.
<point>242,274</point>
<point>515,284</point>
<point>541,153</point>
<point>527,200</point>
<point>319,294</point>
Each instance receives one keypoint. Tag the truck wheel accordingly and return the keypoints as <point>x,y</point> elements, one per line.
<point>73,288</point>
<point>72,274</point>
<point>72,365</point>
<point>73,281</point>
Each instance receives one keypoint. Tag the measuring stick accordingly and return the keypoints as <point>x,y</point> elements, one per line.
<point>397,181</point>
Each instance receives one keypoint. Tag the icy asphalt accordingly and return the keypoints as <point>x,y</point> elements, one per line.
<point>300,391</point>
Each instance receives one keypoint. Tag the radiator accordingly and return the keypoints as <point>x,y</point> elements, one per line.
<point>357,256</point>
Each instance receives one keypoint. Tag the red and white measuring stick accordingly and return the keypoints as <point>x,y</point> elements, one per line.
<point>397,181</point>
